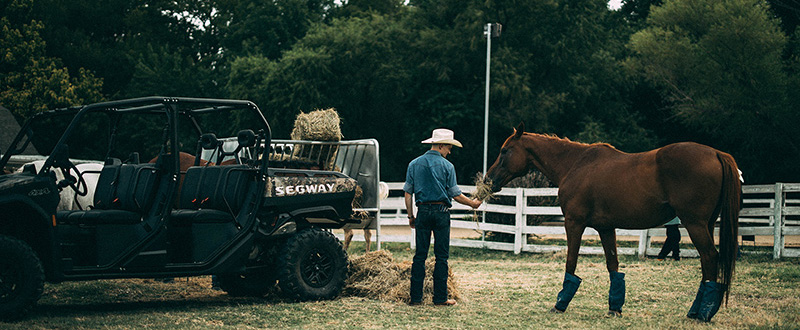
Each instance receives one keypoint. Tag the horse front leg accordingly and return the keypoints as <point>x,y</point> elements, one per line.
<point>616,291</point>
<point>348,237</point>
<point>571,282</point>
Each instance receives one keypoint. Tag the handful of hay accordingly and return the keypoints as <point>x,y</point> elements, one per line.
<point>376,275</point>
<point>483,188</point>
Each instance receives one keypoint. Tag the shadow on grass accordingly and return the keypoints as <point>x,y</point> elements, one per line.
<point>79,309</point>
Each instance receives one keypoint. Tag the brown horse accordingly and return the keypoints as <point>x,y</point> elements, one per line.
<point>603,188</point>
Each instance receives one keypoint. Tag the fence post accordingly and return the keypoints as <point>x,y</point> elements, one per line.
<point>777,226</point>
<point>520,220</point>
<point>644,243</point>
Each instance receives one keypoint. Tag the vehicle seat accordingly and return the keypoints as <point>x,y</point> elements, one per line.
<point>211,199</point>
<point>124,193</point>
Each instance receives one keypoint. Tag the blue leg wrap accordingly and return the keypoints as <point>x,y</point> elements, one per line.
<point>696,304</point>
<point>616,292</point>
<point>570,286</point>
<point>707,302</point>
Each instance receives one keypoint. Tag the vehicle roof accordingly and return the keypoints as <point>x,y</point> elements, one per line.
<point>157,104</point>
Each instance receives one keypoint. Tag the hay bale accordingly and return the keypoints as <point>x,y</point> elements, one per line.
<point>376,275</point>
<point>318,125</point>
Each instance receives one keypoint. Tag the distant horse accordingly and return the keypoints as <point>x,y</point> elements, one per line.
<point>603,188</point>
<point>348,237</point>
<point>383,193</point>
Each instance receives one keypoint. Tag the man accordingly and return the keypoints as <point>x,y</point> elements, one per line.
<point>432,180</point>
<point>673,241</point>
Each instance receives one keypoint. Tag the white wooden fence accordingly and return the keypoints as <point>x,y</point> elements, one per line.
<point>757,218</point>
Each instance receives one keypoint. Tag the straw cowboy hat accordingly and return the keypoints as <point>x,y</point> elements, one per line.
<point>442,136</point>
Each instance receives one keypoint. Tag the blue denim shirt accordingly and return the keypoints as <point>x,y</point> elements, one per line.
<point>432,178</point>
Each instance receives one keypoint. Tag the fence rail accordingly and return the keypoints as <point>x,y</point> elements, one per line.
<point>768,210</point>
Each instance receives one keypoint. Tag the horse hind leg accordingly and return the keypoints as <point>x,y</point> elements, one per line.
<point>616,291</point>
<point>709,295</point>
<point>367,238</point>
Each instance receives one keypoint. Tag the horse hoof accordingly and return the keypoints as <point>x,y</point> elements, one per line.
<point>556,311</point>
<point>613,314</point>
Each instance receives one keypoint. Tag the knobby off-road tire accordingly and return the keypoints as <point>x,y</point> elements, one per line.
<point>247,285</point>
<point>21,278</point>
<point>312,265</point>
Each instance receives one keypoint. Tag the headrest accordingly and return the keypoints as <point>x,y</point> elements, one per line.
<point>247,138</point>
<point>209,141</point>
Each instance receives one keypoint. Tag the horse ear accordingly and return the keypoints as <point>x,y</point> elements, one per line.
<point>519,130</point>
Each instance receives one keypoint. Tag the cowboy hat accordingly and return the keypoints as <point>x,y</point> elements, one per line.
<point>442,136</point>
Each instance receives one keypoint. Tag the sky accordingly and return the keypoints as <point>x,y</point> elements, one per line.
<point>614,4</point>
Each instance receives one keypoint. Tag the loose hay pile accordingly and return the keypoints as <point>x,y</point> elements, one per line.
<point>376,275</point>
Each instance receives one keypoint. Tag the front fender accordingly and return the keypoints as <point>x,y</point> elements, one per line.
<point>24,219</point>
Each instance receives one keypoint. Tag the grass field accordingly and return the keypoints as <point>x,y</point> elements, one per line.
<point>498,290</point>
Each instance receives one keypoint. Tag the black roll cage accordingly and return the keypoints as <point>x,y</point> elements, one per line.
<point>172,107</point>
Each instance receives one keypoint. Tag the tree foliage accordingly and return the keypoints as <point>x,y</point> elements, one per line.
<point>720,69</point>
<point>716,72</point>
<point>30,81</point>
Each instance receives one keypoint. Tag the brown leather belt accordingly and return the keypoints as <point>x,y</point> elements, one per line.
<point>432,203</point>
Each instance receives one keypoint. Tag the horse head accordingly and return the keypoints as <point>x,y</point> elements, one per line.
<point>512,161</point>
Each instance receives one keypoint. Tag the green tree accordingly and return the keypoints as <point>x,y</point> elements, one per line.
<point>557,68</point>
<point>265,28</point>
<point>30,81</point>
<point>718,64</point>
<point>355,66</point>
<point>636,11</point>
<point>396,76</point>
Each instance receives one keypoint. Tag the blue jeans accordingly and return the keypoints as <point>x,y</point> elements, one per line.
<point>431,219</point>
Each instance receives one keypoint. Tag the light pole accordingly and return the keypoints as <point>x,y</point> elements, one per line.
<point>490,30</point>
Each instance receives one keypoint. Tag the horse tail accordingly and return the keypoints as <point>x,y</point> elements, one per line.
<point>729,204</point>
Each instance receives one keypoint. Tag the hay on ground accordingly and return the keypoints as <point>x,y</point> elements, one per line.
<point>376,275</point>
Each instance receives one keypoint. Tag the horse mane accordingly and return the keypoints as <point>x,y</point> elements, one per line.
<point>551,136</point>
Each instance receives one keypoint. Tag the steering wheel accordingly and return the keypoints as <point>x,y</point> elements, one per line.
<point>76,185</point>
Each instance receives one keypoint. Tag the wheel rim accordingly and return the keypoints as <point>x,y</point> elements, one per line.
<point>9,278</point>
<point>317,268</point>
